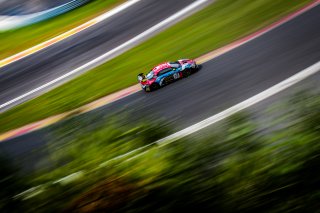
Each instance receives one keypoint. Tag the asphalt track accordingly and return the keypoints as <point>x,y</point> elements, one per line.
<point>221,83</point>
<point>44,66</point>
<point>232,77</point>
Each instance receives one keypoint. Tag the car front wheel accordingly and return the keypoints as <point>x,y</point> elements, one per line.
<point>186,73</point>
<point>154,86</point>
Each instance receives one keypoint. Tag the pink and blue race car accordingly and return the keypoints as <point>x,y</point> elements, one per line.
<point>166,73</point>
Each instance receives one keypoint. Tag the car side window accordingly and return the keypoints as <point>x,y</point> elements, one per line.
<point>162,72</point>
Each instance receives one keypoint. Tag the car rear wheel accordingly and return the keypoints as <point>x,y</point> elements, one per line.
<point>154,86</point>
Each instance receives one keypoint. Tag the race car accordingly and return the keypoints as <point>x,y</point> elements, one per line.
<point>166,73</point>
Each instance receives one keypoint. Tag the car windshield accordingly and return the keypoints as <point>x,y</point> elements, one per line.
<point>150,75</point>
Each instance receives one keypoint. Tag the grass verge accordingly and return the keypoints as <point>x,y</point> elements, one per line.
<point>213,27</point>
<point>14,41</point>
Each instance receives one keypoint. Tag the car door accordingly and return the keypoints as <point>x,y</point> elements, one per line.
<point>165,76</point>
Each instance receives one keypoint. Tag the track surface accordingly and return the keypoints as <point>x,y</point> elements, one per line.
<point>232,77</point>
<point>52,62</point>
<point>221,83</point>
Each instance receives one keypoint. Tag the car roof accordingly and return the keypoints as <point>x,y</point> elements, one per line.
<point>160,67</point>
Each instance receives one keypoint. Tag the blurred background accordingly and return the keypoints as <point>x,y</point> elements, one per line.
<point>77,133</point>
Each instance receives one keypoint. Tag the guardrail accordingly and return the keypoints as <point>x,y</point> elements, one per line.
<point>14,22</point>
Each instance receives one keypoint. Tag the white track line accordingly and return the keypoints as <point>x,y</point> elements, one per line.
<point>243,105</point>
<point>116,10</point>
<point>69,33</point>
<point>122,47</point>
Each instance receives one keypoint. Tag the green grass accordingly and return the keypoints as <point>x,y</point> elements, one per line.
<point>213,27</point>
<point>14,41</point>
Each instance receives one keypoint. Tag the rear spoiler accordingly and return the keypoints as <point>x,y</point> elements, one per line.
<point>141,77</point>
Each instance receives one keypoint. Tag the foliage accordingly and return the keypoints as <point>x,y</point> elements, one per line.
<point>237,166</point>
<point>11,185</point>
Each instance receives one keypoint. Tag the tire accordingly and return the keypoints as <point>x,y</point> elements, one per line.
<point>146,89</point>
<point>186,73</point>
<point>163,83</point>
<point>154,86</point>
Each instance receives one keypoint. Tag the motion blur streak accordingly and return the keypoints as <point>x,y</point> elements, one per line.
<point>231,78</point>
<point>67,34</point>
<point>190,9</point>
<point>124,93</point>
